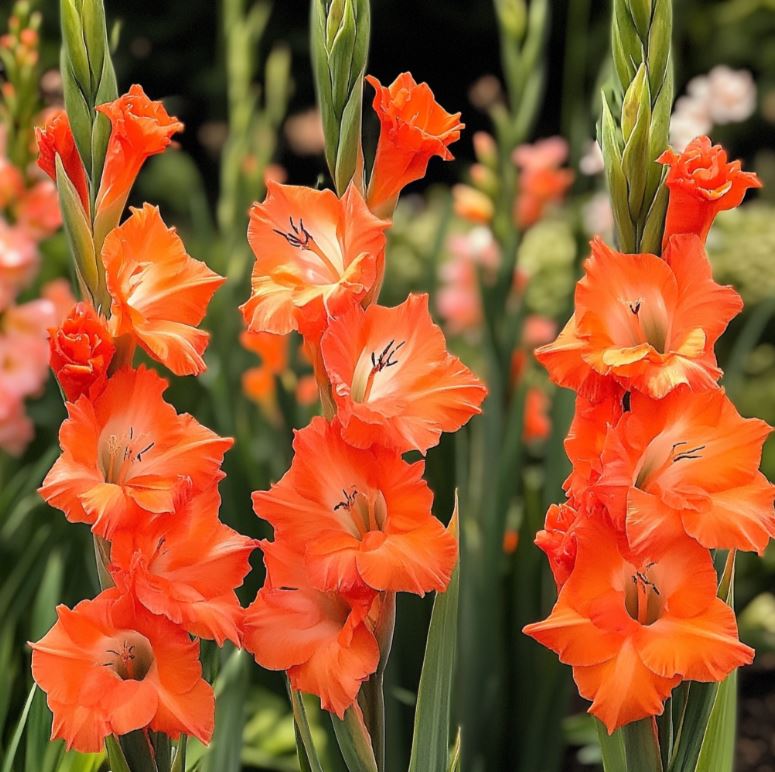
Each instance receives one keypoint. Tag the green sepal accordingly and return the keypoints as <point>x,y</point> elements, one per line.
<point>617,183</point>
<point>635,158</point>
<point>78,232</point>
<point>354,741</point>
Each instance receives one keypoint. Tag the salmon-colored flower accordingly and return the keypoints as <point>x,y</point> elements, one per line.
<point>16,429</point>
<point>186,568</point>
<point>702,183</point>
<point>688,463</point>
<point>472,204</point>
<point>414,127</point>
<point>11,183</point>
<point>537,424</point>
<point>159,292</point>
<point>140,128</point>
<point>363,516</point>
<point>56,139</point>
<point>632,628</point>
<point>128,456</point>
<point>37,211</point>
<point>541,180</point>
<point>316,254</point>
<point>18,261</point>
<point>24,348</point>
<point>108,666</point>
<point>394,382</point>
<point>324,640</point>
<point>81,352</point>
<point>643,322</point>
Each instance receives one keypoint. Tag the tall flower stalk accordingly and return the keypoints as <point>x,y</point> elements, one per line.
<point>122,671</point>
<point>353,521</point>
<point>665,476</point>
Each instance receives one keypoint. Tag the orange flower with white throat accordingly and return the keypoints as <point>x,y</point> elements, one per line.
<point>109,666</point>
<point>128,457</point>
<point>159,292</point>
<point>688,463</point>
<point>363,516</point>
<point>633,628</point>
<point>323,640</point>
<point>643,322</point>
<point>702,183</point>
<point>140,128</point>
<point>393,380</point>
<point>414,127</point>
<point>186,567</point>
<point>316,255</point>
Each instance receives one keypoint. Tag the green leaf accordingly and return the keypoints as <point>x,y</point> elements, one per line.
<point>703,702</point>
<point>305,747</point>
<point>430,741</point>
<point>13,745</point>
<point>718,747</point>
<point>230,694</point>
<point>641,746</point>
<point>179,764</point>
<point>116,758</point>
<point>354,741</point>
<point>612,749</point>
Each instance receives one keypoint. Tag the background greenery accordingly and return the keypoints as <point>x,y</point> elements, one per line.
<point>177,50</point>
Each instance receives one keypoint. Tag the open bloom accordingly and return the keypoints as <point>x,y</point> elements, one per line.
<point>316,254</point>
<point>414,127</point>
<point>140,128</point>
<point>108,666</point>
<point>128,456</point>
<point>394,382</point>
<point>159,292</point>
<point>186,567</point>
<point>37,211</point>
<point>324,640</point>
<point>362,516</point>
<point>16,429</point>
<point>688,463</point>
<point>633,628</point>
<point>702,183</point>
<point>56,139</point>
<point>642,322</point>
<point>81,352</point>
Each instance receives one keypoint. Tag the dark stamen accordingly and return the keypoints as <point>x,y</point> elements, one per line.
<point>300,237</point>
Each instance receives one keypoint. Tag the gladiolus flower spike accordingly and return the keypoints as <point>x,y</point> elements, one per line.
<point>664,467</point>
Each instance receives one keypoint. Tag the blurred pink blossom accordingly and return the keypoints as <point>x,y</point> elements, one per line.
<point>18,261</point>
<point>15,427</point>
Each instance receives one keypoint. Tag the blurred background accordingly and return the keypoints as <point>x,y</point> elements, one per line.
<point>237,73</point>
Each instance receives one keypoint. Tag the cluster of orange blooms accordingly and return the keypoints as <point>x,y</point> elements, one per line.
<point>352,519</point>
<point>141,475</point>
<point>664,467</point>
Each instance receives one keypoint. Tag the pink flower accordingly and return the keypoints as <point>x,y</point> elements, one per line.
<point>18,261</point>
<point>15,427</point>
<point>38,210</point>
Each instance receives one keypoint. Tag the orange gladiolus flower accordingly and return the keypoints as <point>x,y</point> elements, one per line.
<point>110,667</point>
<point>81,352</point>
<point>159,292</point>
<point>643,322</point>
<point>56,139</point>
<point>537,424</point>
<point>364,516</point>
<point>414,127</point>
<point>585,440</point>
<point>324,640</point>
<point>702,183</point>
<point>633,628</point>
<point>688,463</point>
<point>557,539</point>
<point>140,128</point>
<point>394,382</point>
<point>315,255</point>
<point>128,456</point>
<point>186,567</point>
